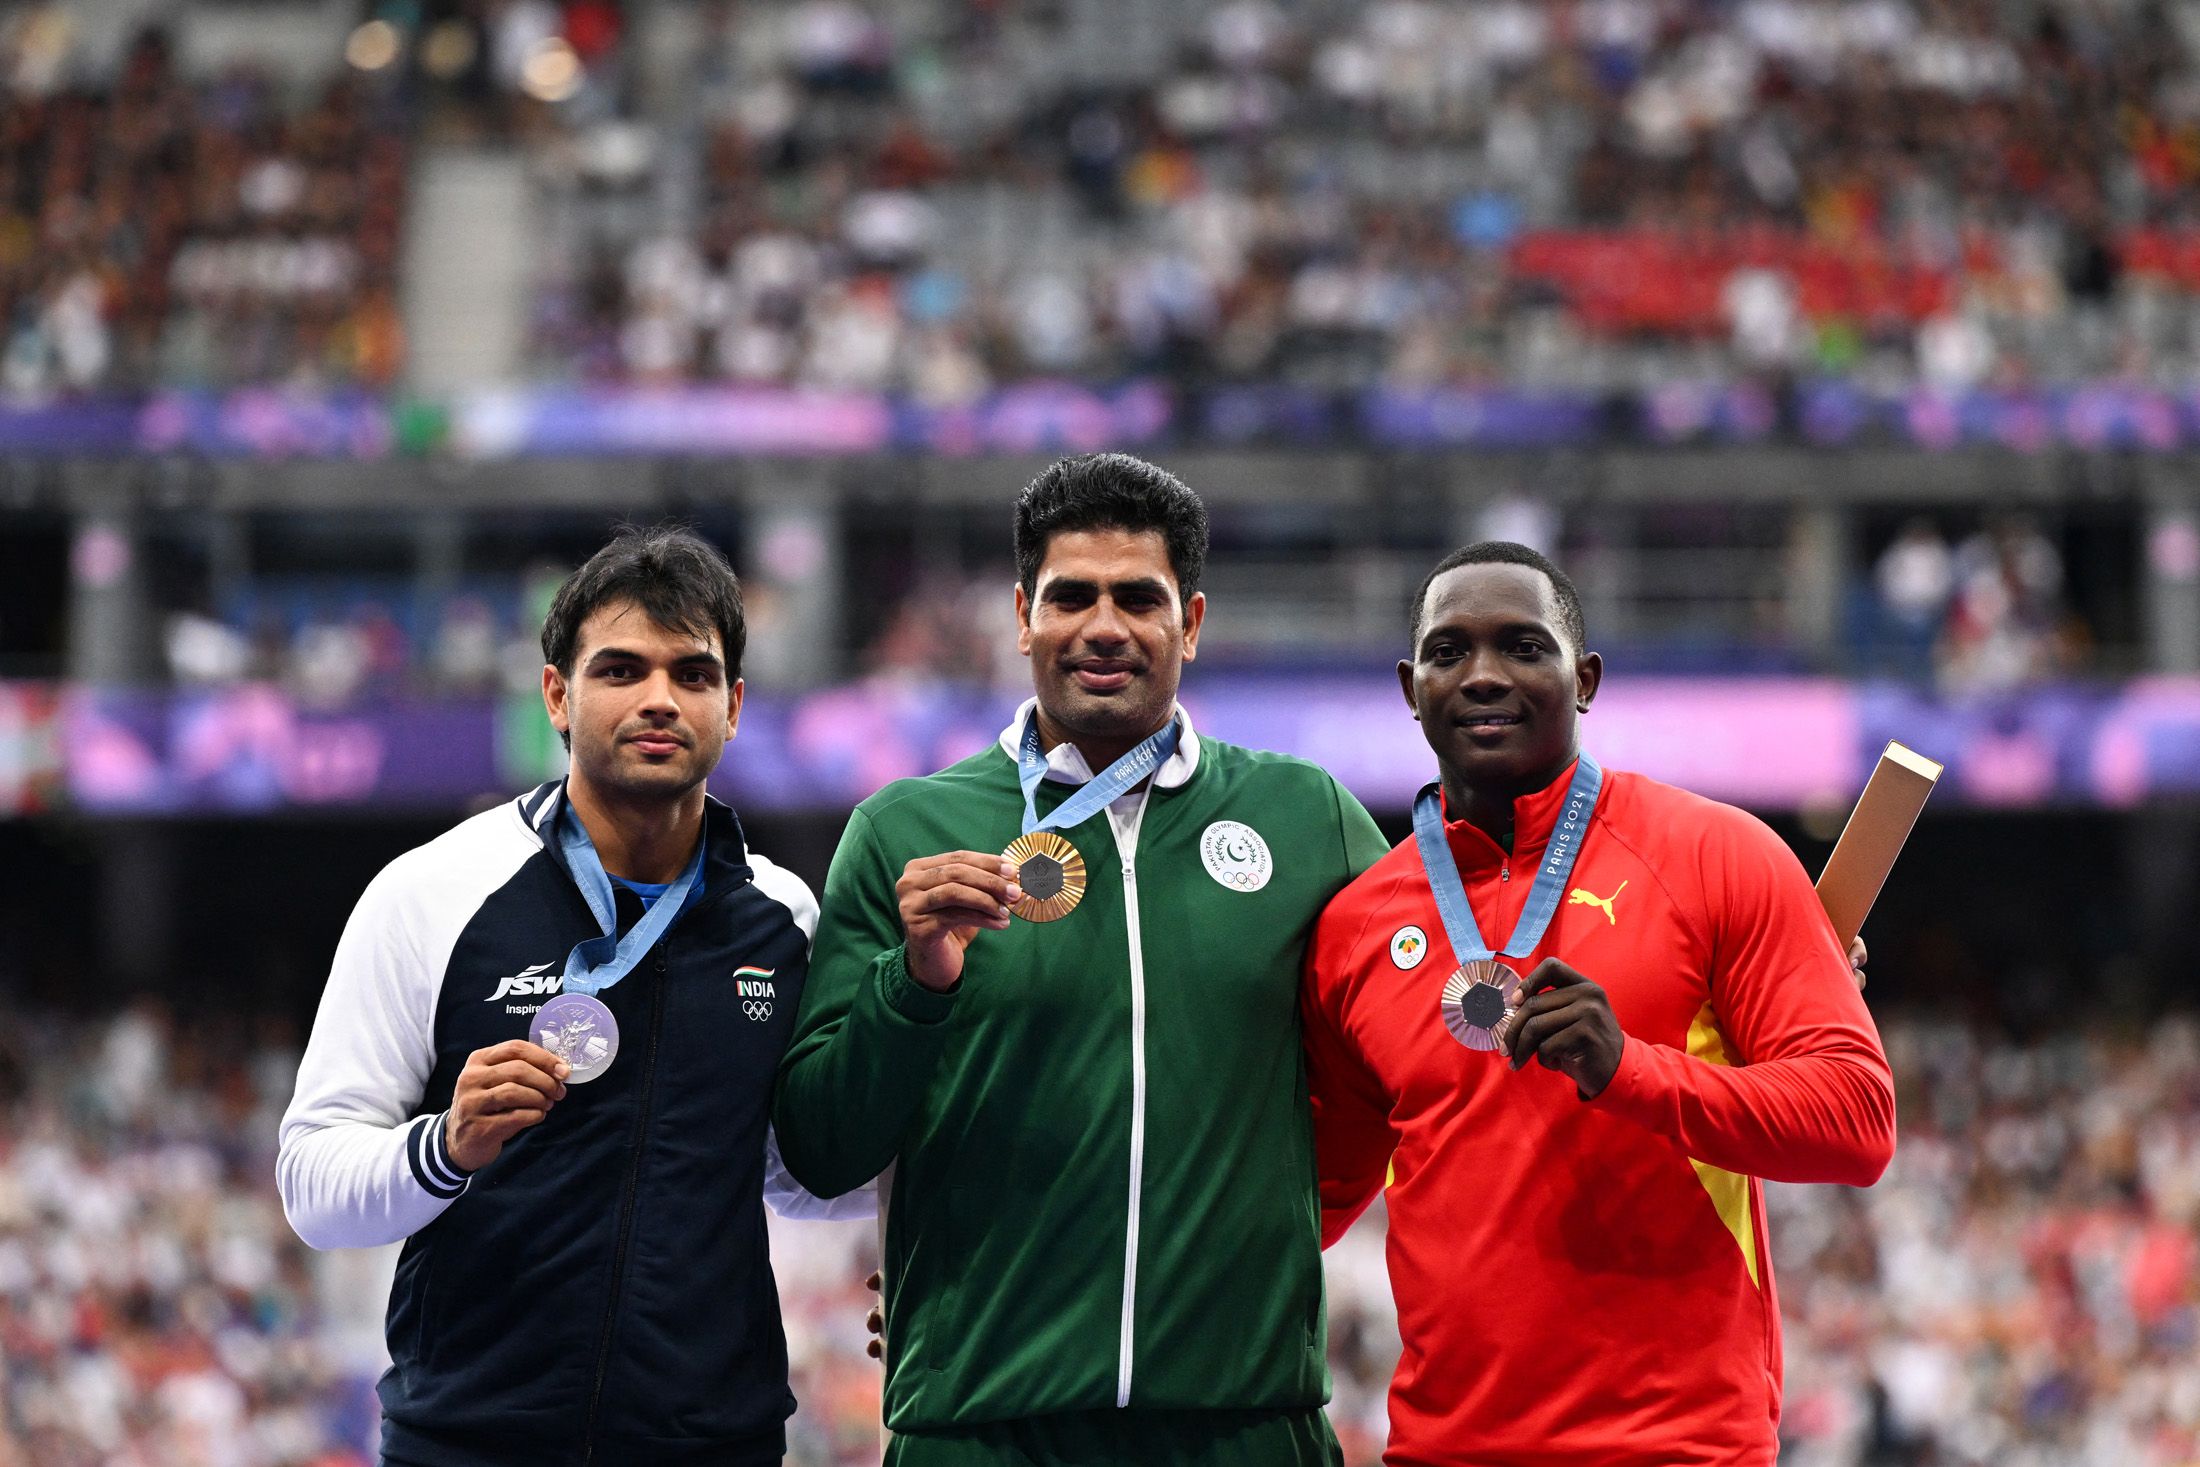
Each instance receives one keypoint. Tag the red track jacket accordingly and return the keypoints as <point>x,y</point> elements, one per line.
<point>1590,1283</point>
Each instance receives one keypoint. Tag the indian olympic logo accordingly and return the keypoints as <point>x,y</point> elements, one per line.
<point>754,988</point>
<point>1408,945</point>
<point>1236,856</point>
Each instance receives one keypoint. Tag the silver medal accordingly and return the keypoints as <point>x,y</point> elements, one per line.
<point>1479,1003</point>
<point>578,1029</point>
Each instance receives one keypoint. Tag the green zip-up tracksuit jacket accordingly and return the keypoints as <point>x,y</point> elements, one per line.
<point>1105,1192</point>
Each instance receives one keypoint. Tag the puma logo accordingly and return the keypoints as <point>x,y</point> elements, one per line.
<point>1581,898</point>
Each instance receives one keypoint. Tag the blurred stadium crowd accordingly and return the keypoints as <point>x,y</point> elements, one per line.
<point>1595,194</point>
<point>159,233</point>
<point>935,198</point>
<point>2023,1289</point>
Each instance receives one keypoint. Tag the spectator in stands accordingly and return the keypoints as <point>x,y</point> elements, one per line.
<point>157,233</point>
<point>1914,578</point>
<point>2006,624</point>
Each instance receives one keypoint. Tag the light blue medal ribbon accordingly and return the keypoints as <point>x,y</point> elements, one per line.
<point>1048,867</point>
<point>1473,1026</point>
<point>1097,793</point>
<point>598,962</point>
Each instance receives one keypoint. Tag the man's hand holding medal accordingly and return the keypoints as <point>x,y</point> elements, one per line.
<point>503,1090</point>
<point>1565,1022</point>
<point>945,901</point>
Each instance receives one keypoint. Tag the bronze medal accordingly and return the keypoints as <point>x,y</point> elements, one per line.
<point>1479,1003</point>
<point>1051,873</point>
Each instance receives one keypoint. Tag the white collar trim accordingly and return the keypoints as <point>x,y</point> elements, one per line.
<point>1066,762</point>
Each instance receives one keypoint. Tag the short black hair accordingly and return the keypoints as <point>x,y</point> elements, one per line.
<point>1110,491</point>
<point>674,575</point>
<point>1505,552</point>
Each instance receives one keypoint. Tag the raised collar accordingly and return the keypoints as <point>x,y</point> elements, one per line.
<point>1534,817</point>
<point>1066,763</point>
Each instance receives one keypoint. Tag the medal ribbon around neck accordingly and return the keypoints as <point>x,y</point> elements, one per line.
<point>1049,868</point>
<point>599,962</point>
<point>1477,1000</point>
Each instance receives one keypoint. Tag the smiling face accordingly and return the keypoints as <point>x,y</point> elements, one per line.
<point>1497,690</point>
<point>1107,636</point>
<point>648,709</point>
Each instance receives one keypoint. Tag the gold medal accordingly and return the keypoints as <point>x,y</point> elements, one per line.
<point>1051,873</point>
<point>1479,1003</point>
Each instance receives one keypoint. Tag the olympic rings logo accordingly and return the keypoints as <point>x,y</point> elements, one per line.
<point>756,1008</point>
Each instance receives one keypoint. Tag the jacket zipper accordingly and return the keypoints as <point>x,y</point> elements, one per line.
<point>1127,847</point>
<point>626,1205</point>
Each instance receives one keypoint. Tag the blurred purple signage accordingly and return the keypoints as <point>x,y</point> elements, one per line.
<point>1065,417</point>
<point>576,422</point>
<point>1769,743</point>
<point>1459,417</point>
<point>253,748</point>
<point>1040,417</point>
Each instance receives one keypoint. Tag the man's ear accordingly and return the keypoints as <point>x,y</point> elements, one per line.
<point>1023,620</point>
<point>555,694</point>
<point>733,707</point>
<point>1588,677</point>
<point>1405,685</point>
<point>1195,616</point>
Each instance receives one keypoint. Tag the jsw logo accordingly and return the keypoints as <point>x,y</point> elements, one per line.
<point>535,982</point>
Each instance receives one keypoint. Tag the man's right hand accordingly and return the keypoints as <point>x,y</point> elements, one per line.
<point>944,901</point>
<point>503,1090</point>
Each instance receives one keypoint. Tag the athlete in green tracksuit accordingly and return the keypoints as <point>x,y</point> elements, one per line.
<point>1103,1243</point>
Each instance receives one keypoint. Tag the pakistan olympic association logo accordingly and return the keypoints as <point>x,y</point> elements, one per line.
<point>1236,856</point>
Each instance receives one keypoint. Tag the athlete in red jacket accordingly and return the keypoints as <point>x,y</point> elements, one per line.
<point>1577,1244</point>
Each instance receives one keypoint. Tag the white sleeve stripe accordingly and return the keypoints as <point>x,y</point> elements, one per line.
<point>439,1152</point>
<point>433,1171</point>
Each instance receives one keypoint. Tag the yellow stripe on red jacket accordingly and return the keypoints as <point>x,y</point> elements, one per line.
<point>1591,1282</point>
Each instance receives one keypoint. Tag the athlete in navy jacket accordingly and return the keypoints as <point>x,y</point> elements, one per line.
<point>586,1276</point>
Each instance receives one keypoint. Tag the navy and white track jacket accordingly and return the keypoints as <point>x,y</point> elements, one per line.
<point>601,1293</point>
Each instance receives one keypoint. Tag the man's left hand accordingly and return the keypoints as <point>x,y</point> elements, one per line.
<point>1565,1022</point>
<point>1859,955</point>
